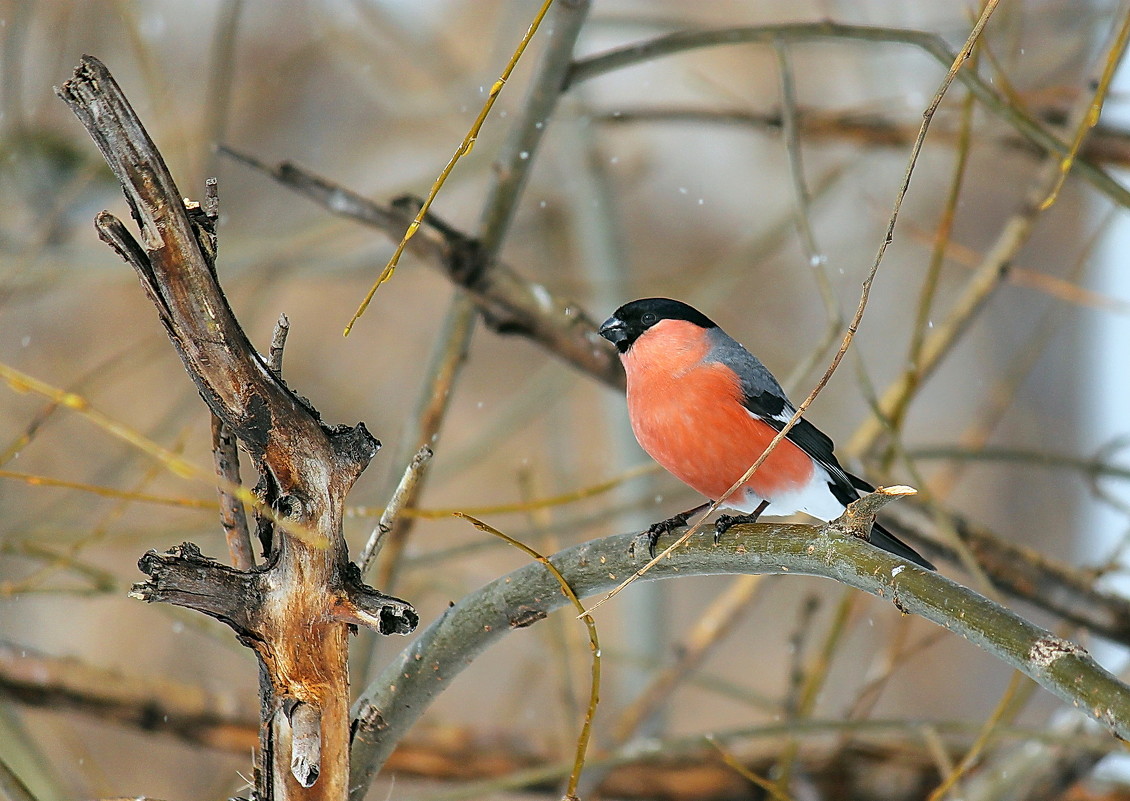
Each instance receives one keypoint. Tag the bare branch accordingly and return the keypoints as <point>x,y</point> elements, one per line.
<point>860,514</point>
<point>510,304</point>
<point>285,612</point>
<point>185,577</point>
<point>278,342</point>
<point>233,517</point>
<point>306,743</point>
<point>393,702</point>
<point>929,43</point>
<point>404,490</point>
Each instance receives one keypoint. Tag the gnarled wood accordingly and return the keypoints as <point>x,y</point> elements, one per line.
<point>295,611</point>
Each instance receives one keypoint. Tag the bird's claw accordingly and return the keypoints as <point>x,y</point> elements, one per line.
<point>657,530</point>
<point>725,522</point>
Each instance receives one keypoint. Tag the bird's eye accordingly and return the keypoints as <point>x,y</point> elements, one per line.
<point>648,319</point>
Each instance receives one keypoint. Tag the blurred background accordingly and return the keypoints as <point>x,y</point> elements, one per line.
<point>754,181</point>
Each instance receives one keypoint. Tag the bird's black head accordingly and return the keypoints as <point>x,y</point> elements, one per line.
<point>631,320</point>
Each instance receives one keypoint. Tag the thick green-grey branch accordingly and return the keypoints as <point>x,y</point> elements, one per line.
<point>398,697</point>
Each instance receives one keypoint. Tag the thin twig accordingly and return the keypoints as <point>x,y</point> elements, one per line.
<point>988,277</point>
<point>278,343</point>
<point>931,44</point>
<point>1091,118</point>
<point>594,643</point>
<point>392,512</point>
<point>463,149</point>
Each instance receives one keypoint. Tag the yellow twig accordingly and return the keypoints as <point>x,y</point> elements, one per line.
<point>1113,59</point>
<point>768,785</point>
<point>463,149</point>
<point>108,492</point>
<point>518,506</point>
<point>594,643</point>
<point>20,381</point>
<point>983,736</point>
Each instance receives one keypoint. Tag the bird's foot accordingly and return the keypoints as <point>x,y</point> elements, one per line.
<point>725,522</point>
<point>657,530</point>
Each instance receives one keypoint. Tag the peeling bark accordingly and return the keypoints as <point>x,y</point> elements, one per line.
<point>296,610</point>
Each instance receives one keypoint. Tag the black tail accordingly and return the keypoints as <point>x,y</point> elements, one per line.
<point>881,538</point>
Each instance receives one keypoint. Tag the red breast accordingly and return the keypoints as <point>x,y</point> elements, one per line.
<point>687,413</point>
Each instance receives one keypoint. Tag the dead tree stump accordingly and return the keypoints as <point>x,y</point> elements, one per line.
<point>296,610</point>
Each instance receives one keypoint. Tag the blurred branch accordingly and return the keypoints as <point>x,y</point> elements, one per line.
<point>517,156</point>
<point>509,303</point>
<point>449,353</point>
<point>1023,573</point>
<point>940,239</point>
<point>929,43</point>
<point>986,279</point>
<point>197,716</point>
<point>710,630</point>
<point>396,699</point>
<point>817,260</point>
<point>12,787</point>
<point>994,268</point>
<point>160,705</point>
<point>450,350</point>
<point>1091,467</point>
<point>221,74</point>
<point>1106,144</point>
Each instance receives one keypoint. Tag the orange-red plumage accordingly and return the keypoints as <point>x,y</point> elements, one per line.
<point>706,409</point>
<point>687,414</point>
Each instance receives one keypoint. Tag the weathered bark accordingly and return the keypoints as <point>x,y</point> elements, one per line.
<point>295,611</point>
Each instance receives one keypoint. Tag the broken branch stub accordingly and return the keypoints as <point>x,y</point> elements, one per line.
<point>296,610</point>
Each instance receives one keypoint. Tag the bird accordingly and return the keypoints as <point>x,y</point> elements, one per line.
<point>705,408</point>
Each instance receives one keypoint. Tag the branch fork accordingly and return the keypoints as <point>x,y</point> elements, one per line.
<point>859,516</point>
<point>296,610</point>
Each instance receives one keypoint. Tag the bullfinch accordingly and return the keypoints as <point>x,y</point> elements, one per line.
<point>705,408</point>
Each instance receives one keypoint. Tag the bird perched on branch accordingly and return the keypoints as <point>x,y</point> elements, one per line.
<point>705,408</point>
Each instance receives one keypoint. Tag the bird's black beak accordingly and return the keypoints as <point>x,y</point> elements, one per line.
<point>615,331</point>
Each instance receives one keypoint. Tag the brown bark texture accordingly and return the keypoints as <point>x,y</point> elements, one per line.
<point>296,610</point>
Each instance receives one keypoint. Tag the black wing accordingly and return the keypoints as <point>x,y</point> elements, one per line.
<point>776,411</point>
<point>764,397</point>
